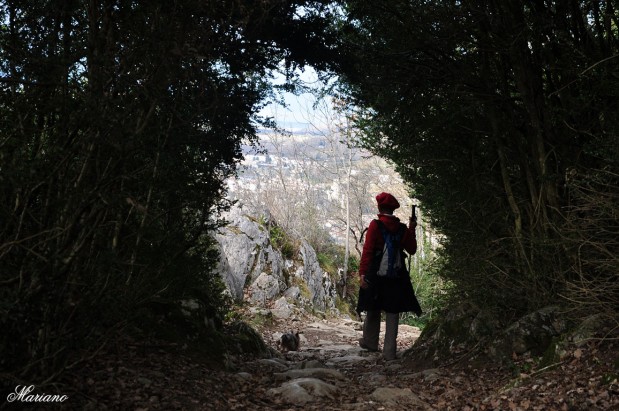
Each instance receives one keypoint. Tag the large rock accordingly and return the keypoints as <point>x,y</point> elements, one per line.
<point>588,328</point>
<point>467,330</point>
<point>250,266</point>
<point>266,287</point>
<point>282,309</point>
<point>322,290</point>
<point>457,331</point>
<point>246,256</point>
<point>532,333</point>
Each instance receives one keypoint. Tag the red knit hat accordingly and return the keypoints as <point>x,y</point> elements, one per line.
<point>386,200</point>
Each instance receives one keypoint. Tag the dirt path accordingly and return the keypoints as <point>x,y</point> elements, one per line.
<point>330,372</point>
<point>584,379</point>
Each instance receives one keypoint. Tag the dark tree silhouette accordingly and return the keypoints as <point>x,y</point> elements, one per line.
<point>495,113</point>
<point>120,121</point>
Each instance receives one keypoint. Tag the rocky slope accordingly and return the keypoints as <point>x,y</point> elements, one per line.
<point>257,272</point>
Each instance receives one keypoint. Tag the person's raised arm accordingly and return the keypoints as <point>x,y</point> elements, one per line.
<point>409,242</point>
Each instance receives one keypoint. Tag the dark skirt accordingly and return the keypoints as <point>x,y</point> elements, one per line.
<point>393,295</point>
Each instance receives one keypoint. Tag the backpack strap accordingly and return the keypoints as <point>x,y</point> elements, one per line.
<point>387,234</point>
<point>392,242</point>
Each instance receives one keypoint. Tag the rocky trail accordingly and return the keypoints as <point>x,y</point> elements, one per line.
<point>331,372</point>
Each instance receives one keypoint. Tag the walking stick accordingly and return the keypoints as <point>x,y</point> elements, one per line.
<point>410,256</point>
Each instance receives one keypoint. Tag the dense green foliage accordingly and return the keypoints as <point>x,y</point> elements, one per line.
<point>120,121</point>
<point>430,288</point>
<point>504,118</point>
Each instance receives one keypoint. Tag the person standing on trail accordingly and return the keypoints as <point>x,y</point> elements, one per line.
<point>392,292</point>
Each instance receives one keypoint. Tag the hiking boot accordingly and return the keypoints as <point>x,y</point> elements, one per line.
<point>365,347</point>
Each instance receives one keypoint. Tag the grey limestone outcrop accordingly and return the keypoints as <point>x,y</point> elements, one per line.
<point>254,270</point>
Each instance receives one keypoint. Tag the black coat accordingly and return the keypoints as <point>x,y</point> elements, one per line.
<point>393,295</point>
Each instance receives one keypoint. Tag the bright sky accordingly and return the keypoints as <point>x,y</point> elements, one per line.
<point>299,115</point>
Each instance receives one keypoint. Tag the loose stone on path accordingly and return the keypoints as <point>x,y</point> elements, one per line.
<point>402,396</point>
<point>303,390</point>
<point>323,373</point>
<point>331,372</point>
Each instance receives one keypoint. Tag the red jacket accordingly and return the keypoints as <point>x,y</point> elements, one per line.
<point>374,240</point>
